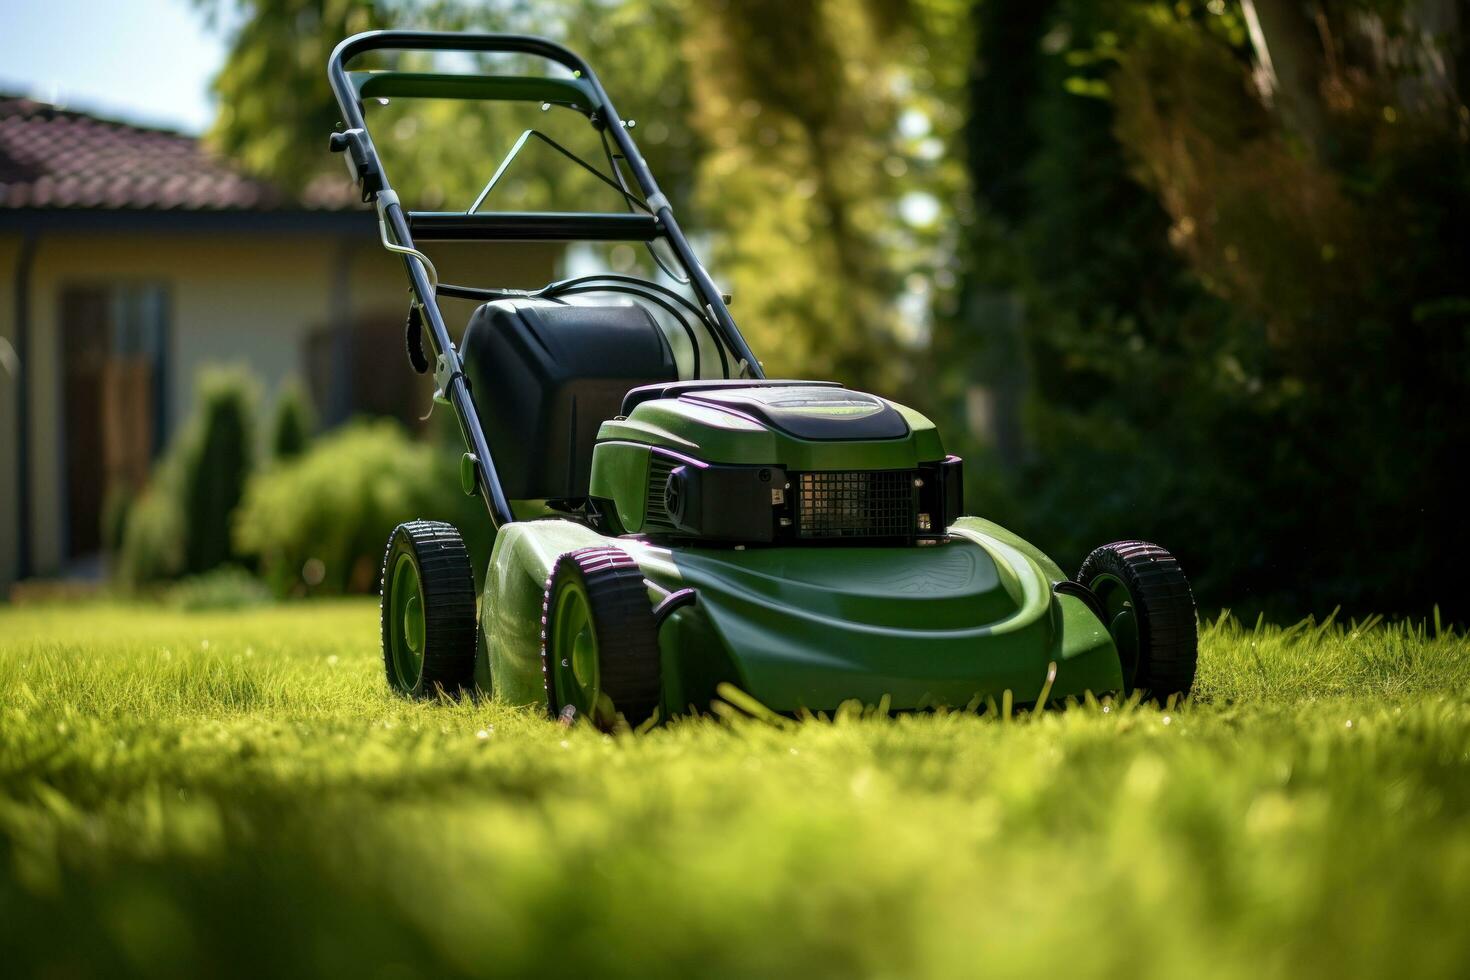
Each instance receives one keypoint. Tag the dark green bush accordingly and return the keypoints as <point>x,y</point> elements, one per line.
<point>180,523</point>
<point>216,460</point>
<point>115,507</point>
<point>1242,338</point>
<point>293,423</point>
<point>226,587</point>
<point>152,548</point>
<point>318,523</point>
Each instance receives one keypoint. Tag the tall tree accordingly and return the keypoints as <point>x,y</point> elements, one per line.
<point>1240,288</point>
<point>276,106</point>
<point>802,107</point>
<point>775,127</point>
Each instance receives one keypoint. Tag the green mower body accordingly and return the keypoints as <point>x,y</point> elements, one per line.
<point>912,627</point>
<point>671,525</point>
<point>953,616</point>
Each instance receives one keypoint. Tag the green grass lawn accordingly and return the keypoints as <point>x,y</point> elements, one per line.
<point>236,793</point>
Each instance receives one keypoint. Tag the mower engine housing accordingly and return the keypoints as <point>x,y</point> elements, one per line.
<point>773,462</point>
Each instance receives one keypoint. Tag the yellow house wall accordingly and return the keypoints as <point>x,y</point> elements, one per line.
<point>247,300</point>
<point>9,420</point>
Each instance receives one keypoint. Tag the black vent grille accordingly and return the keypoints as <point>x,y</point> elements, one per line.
<point>856,504</point>
<point>656,511</point>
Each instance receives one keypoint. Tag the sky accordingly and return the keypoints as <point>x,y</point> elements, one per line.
<point>146,61</point>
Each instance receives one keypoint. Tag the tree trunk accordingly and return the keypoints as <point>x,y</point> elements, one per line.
<point>1288,52</point>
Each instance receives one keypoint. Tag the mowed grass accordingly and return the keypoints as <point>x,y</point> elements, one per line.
<point>236,793</point>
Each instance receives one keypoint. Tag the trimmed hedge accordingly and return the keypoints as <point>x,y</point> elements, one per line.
<point>293,424</point>
<point>180,523</point>
<point>318,523</point>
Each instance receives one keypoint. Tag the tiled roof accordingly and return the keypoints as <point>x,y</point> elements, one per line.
<point>58,158</point>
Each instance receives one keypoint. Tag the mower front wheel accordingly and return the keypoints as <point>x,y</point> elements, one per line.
<point>1148,608</point>
<point>599,641</point>
<point>428,610</point>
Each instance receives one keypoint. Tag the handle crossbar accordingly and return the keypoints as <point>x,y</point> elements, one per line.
<point>532,226</point>
<point>574,93</point>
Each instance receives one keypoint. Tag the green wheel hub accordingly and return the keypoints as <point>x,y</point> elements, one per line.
<point>599,642</point>
<point>428,620</point>
<point>1121,617</point>
<point>406,623</point>
<point>575,650</point>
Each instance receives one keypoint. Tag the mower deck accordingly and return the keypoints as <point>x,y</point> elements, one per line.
<point>801,627</point>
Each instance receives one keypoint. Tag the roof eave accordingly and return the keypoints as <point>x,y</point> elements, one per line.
<point>138,220</point>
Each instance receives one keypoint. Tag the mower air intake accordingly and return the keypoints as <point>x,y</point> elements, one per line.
<point>875,504</point>
<point>689,500</point>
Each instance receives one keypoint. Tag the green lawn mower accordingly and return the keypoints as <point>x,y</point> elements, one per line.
<point>671,524</point>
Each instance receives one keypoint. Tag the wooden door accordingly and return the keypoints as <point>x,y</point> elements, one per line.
<point>127,421</point>
<point>85,344</point>
<point>109,403</point>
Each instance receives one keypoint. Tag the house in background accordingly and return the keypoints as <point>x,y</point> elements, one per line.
<point>129,259</point>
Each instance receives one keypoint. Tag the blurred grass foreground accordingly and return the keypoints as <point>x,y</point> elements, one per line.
<point>226,793</point>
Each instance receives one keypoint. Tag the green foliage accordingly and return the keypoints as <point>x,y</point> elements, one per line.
<point>217,456</point>
<point>293,424</point>
<point>180,523</point>
<point>153,534</point>
<point>276,107</point>
<point>227,587</point>
<point>1308,815</point>
<point>115,507</point>
<point>319,522</point>
<point>1221,301</point>
<point>774,129</point>
<point>1160,291</point>
<point>825,181</point>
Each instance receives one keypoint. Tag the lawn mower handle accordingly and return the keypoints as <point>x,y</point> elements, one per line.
<point>347,99</point>
<point>377,190</point>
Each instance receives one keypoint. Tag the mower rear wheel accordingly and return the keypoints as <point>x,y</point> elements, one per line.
<point>1149,610</point>
<point>599,642</point>
<point>428,610</point>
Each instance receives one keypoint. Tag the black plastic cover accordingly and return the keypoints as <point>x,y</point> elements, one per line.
<point>545,376</point>
<point>942,496</point>
<point>648,393</point>
<point>723,503</point>
<point>810,411</point>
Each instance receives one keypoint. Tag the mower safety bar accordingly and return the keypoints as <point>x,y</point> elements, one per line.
<point>570,92</point>
<point>582,92</point>
<point>532,226</point>
<point>367,41</point>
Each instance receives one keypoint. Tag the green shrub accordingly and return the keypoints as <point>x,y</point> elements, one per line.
<point>152,547</point>
<point>216,460</point>
<point>115,507</point>
<point>226,587</point>
<point>293,424</point>
<point>180,523</point>
<point>318,523</point>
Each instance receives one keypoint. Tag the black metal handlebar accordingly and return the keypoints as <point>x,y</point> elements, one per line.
<point>367,167</point>
<point>531,226</point>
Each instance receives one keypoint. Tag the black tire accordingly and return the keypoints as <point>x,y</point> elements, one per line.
<point>620,619</point>
<point>1146,581</point>
<point>430,557</point>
